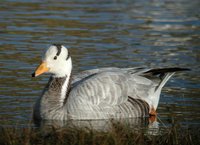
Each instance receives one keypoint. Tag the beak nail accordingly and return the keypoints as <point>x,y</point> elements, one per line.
<point>33,74</point>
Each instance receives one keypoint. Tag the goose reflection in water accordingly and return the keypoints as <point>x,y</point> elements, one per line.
<point>150,126</point>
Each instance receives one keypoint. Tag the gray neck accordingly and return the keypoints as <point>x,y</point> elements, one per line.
<point>59,87</point>
<point>50,105</point>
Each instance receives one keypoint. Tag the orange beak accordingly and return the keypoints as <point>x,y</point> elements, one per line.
<point>42,68</point>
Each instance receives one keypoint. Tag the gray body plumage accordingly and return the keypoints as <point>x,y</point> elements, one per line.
<point>101,94</point>
<point>98,93</point>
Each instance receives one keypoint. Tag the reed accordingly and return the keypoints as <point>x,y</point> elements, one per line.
<point>119,134</point>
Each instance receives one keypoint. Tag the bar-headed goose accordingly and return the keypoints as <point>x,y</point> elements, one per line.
<point>98,93</point>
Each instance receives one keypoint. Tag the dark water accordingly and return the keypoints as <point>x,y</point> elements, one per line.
<point>104,33</point>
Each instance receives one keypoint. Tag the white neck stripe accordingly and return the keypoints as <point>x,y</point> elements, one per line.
<point>64,89</point>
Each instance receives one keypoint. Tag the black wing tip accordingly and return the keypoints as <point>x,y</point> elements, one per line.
<point>186,69</point>
<point>166,70</point>
<point>180,69</point>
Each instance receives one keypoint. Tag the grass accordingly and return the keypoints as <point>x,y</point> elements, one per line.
<point>118,135</point>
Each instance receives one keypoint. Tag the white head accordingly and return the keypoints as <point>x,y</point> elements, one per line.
<point>56,60</point>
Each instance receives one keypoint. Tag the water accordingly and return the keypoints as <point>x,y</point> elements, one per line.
<point>99,34</point>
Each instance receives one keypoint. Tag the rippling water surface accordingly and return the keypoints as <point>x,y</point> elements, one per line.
<point>99,34</point>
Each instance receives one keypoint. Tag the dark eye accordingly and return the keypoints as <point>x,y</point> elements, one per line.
<point>55,57</point>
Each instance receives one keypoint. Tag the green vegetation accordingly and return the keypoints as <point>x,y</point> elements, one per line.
<point>118,135</point>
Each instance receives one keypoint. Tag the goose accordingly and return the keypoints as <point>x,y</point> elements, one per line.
<point>103,93</point>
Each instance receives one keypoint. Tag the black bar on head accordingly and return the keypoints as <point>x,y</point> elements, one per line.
<point>58,46</point>
<point>68,56</point>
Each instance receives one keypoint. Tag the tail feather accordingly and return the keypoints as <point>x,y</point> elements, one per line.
<point>164,80</point>
<point>164,74</point>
